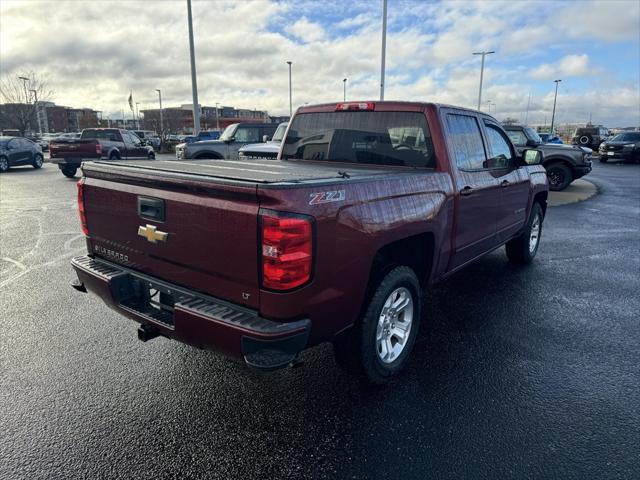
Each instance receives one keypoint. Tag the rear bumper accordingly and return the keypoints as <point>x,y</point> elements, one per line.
<point>193,318</point>
<point>626,155</point>
<point>67,162</point>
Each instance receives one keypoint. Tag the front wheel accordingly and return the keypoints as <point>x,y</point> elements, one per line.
<point>559,176</point>
<point>380,345</point>
<point>69,172</point>
<point>151,156</point>
<point>37,161</point>
<point>522,249</point>
<point>4,164</point>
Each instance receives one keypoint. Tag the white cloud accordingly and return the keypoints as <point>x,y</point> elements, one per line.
<point>568,66</point>
<point>307,31</point>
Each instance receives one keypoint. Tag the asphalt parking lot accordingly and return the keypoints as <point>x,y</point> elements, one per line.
<point>518,373</point>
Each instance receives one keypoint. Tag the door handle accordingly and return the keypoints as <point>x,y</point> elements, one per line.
<point>466,191</point>
<point>505,183</point>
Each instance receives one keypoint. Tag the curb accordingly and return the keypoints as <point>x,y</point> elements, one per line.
<point>579,191</point>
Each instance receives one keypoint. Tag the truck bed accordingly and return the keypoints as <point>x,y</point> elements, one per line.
<point>263,171</point>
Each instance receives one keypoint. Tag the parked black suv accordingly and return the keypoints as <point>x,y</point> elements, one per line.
<point>590,137</point>
<point>564,163</point>
<point>624,146</point>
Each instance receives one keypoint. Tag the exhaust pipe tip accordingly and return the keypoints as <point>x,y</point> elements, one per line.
<point>147,332</point>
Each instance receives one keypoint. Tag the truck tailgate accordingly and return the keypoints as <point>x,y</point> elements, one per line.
<point>211,231</point>
<point>74,149</point>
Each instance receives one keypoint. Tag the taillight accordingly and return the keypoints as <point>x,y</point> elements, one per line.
<point>287,251</point>
<point>83,216</point>
<point>350,106</point>
<point>98,148</point>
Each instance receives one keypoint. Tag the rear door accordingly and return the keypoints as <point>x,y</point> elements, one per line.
<point>477,189</point>
<point>514,181</point>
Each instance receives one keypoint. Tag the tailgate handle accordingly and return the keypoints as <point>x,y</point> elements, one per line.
<point>151,208</point>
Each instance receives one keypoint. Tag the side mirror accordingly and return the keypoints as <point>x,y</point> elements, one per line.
<point>265,138</point>
<point>532,157</point>
<point>531,143</point>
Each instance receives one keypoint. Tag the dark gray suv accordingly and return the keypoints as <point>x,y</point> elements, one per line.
<point>15,151</point>
<point>590,137</point>
<point>564,163</point>
<point>226,147</point>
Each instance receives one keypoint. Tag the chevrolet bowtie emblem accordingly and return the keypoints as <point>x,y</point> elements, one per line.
<point>151,234</point>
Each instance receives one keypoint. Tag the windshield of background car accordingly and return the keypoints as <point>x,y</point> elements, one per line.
<point>531,133</point>
<point>279,133</point>
<point>229,132</point>
<point>626,137</point>
<point>98,134</point>
<point>379,138</point>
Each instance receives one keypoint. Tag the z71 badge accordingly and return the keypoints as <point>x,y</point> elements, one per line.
<point>326,197</point>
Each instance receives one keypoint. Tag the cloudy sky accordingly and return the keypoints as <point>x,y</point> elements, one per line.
<point>92,53</point>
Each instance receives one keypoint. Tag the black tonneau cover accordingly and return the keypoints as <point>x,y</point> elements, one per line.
<point>263,171</point>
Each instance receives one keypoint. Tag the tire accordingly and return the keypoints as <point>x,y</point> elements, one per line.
<point>521,250</point>
<point>69,172</point>
<point>559,176</point>
<point>37,161</point>
<point>374,349</point>
<point>585,140</point>
<point>151,156</point>
<point>4,164</point>
<point>603,159</point>
<point>114,156</point>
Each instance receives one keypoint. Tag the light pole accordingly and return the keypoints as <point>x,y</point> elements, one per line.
<point>194,83</point>
<point>26,95</point>
<point>344,89</point>
<point>137,116</point>
<point>160,100</point>
<point>35,104</point>
<point>553,115</point>
<point>484,54</point>
<point>289,62</point>
<point>384,47</point>
<point>217,119</point>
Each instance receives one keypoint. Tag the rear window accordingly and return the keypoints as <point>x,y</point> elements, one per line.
<point>379,138</point>
<point>99,135</point>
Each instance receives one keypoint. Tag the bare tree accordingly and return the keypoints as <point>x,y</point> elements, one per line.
<point>18,97</point>
<point>510,121</point>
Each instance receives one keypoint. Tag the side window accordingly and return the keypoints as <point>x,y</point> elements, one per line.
<point>500,154</point>
<point>246,134</point>
<point>517,137</point>
<point>128,139</point>
<point>466,141</point>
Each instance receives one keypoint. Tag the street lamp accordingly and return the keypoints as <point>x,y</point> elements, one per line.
<point>290,97</point>
<point>160,100</point>
<point>484,54</point>
<point>194,83</point>
<point>553,115</point>
<point>344,89</point>
<point>384,47</point>
<point>137,116</point>
<point>217,119</point>
<point>24,84</point>
<point>35,104</point>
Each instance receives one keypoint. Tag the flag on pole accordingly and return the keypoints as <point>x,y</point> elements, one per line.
<point>131,100</point>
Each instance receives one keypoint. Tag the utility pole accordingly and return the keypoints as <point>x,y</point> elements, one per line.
<point>484,54</point>
<point>26,95</point>
<point>217,119</point>
<point>526,115</point>
<point>160,100</point>
<point>194,83</point>
<point>344,89</point>
<point>137,116</point>
<point>35,104</point>
<point>289,62</point>
<point>553,115</point>
<point>384,48</point>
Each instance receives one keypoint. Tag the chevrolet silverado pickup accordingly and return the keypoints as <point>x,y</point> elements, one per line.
<point>95,144</point>
<point>367,205</point>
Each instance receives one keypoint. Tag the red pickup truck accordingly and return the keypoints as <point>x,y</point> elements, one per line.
<point>367,204</point>
<point>95,144</point>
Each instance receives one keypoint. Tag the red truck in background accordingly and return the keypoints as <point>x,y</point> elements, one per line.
<point>96,144</point>
<point>367,205</point>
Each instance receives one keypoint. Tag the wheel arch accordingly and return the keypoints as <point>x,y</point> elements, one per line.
<point>208,154</point>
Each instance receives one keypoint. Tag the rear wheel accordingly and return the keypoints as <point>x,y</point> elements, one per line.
<point>151,156</point>
<point>522,249</point>
<point>37,161</point>
<point>69,172</point>
<point>380,345</point>
<point>559,176</point>
<point>114,156</point>
<point>4,164</point>
<point>603,159</point>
